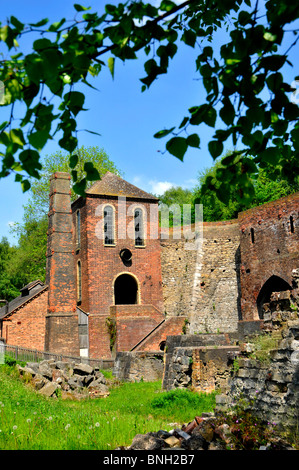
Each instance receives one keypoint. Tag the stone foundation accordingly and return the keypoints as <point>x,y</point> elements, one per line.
<point>138,366</point>
<point>199,362</point>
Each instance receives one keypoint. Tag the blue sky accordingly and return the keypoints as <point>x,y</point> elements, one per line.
<point>125,117</point>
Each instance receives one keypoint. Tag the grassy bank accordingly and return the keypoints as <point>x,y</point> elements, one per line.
<point>29,421</point>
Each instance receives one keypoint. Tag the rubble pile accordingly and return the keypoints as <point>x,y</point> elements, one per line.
<point>67,380</point>
<point>205,432</point>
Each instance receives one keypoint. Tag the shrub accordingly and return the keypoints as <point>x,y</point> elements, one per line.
<point>184,403</point>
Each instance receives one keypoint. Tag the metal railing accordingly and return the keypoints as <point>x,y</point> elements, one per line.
<point>33,355</point>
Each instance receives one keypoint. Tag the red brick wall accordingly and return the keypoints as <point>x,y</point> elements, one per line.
<point>102,264</point>
<point>26,327</point>
<point>133,323</point>
<point>273,251</point>
<point>173,326</point>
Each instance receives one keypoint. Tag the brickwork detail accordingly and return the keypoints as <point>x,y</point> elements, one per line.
<point>27,326</point>
<point>102,264</point>
<point>269,241</point>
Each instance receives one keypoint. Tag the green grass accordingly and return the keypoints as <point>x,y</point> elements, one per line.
<point>29,421</point>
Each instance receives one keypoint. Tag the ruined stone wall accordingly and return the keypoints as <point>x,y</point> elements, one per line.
<point>200,362</point>
<point>271,389</point>
<point>178,269</point>
<point>138,366</point>
<point>203,284</point>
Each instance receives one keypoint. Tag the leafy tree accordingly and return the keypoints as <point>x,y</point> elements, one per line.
<point>265,190</point>
<point>9,285</point>
<point>244,92</point>
<point>28,262</point>
<point>176,196</point>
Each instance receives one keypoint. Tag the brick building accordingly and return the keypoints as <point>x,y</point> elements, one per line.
<point>113,285</point>
<point>103,290</point>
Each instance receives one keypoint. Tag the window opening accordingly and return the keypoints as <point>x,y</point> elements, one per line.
<point>125,290</point>
<point>273,284</point>
<point>79,282</point>
<point>139,235</point>
<point>108,225</point>
<point>78,228</point>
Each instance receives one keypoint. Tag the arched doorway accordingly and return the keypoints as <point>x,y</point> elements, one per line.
<point>273,284</point>
<point>125,290</point>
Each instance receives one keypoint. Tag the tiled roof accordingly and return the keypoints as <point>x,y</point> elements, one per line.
<point>27,293</point>
<point>113,185</point>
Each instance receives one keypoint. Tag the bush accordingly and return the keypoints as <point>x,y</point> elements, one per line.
<point>9,361</point>
<point>183,403</point>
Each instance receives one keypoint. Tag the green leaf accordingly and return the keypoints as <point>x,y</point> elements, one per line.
<point>163,133</point>
<point>16,136</point>
<point>92,173</point>
<point>189,37</point>
<point>227,113</point>
<point>184,122</point>
<point>80,186</point>
<point>111,62</point>
<point>271,155</point>
<point>73,161</point>
<point>80,7</point>
<point>215,148</point>
<point>74,100</point>
<point>25,184</point>
<point>39,23</point>
<point>177,146</point>
<point>204,113</point>
<point>41,44</point>
<point>193,140</point>
<point>16,23</point>
<point>92,132</point>
<point>167,5</point>
<point>38,139</point>
<point>68,143</point>
<point>273,62</point>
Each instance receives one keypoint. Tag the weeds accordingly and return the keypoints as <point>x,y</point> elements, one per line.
<point>29,421</point>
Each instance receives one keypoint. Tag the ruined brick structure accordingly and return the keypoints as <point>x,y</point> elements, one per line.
<point>114,283</point>
<point>269,252</point>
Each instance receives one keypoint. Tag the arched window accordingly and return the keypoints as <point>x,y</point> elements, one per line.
<point>79,282</point>
<point>125,290</point>
<point>139,227</point>
<point>109,225</point>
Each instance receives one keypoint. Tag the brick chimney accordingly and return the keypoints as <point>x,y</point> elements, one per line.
<point>62,334</point>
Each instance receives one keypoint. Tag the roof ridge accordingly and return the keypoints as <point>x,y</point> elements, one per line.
<point>26,300</point>
<point>112,184</point>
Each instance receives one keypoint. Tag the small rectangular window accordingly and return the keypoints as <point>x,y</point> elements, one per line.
<point>79,283</point>
<point>78,229</point>
<point>139,235</point>
<point>252,235</point>
<point>108,226</point>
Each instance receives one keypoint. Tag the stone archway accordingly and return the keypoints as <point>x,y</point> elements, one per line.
<point>273,284</point>
<point>125,290</point>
